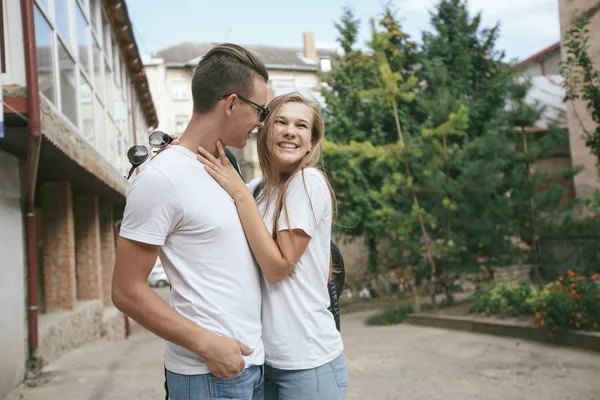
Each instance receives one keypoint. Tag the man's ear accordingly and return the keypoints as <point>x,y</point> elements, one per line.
<point>229,104</point>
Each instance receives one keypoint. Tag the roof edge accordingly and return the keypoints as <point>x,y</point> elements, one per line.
<point>536,56</point>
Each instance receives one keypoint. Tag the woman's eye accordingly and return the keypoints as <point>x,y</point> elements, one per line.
<point>302,126</point>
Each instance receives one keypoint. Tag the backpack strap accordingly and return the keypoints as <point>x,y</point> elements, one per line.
<point>233,161</point>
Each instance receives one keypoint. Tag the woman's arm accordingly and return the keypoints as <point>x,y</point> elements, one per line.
<point>276,259</point>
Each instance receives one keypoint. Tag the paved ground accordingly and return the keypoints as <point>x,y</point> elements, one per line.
<point>387,363</point>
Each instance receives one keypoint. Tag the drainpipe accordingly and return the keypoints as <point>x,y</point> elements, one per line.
<point>33,155</point>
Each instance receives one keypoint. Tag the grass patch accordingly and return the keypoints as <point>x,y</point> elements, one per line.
<point>391,316</point>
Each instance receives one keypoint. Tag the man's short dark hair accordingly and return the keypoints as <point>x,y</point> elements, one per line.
<point>226,68</point>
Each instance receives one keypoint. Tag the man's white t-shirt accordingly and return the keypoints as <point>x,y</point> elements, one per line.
<point>298,330</point>
<point>175,204</point>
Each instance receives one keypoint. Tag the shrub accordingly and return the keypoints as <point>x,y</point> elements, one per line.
<point>571,302</point>
<point>391,316</point>
<point>507,300</point>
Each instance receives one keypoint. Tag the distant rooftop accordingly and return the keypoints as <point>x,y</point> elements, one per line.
<point>283,58</point>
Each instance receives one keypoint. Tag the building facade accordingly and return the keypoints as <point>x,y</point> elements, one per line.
<point>542,69</point>
<point>170,74</point>
<point>569,10</point>
<point>75,97</point>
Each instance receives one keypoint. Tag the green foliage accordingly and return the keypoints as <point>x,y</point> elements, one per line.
<point>507,300</point>
<point>391,316</point>
<point>582,80</point>
<point>571,302</point>
<point>348,28</point>
<point>429,146</point>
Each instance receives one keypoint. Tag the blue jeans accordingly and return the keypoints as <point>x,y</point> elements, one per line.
<point>249,385</point>
<point>327,382</point>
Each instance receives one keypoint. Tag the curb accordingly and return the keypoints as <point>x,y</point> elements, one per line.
<point>370,305</point>
<point>520,330</point>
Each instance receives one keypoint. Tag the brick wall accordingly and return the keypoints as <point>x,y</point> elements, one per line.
<point>107,250</point>
<point>59,246</point>
<point>87,247</point>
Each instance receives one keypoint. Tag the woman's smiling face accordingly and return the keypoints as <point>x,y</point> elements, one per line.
<point>291,138</point>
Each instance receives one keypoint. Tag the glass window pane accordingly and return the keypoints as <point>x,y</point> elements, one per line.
<point>99,128</point>
<point>94,15</point>
<point>116,65</point>
<point>107,43</point>
<point>83,40</point>
<point>125,84</point>
<point>111,145</point>
<point>108,93</point>
<point>86,107</point>
<point>62,12</point>
<point>43,41</point>
<point>45,4</point>
<point>68,97</point>
<point>98,63</point>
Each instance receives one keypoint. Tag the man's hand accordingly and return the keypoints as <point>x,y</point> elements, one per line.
<point>224,357</point>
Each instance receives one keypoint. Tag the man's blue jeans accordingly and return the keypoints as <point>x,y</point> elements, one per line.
<point>249,385</point>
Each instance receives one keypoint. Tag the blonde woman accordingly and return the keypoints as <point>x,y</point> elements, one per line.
<point>288,228</point>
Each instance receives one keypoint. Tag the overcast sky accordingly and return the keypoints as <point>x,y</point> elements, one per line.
<point>527,26</point>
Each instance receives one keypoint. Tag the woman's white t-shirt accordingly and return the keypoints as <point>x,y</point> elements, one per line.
<point>298,330</point>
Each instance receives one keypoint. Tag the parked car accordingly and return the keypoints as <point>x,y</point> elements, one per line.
<point>158,277</point>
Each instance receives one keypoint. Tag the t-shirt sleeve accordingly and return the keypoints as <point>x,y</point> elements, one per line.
<point>308,201</point>
<point>152,210</point>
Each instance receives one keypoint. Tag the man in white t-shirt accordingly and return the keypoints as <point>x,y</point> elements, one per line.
<point>176,210</point>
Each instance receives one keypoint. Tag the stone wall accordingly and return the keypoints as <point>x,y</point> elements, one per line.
<point>61,332</point>
<point>513,274</point>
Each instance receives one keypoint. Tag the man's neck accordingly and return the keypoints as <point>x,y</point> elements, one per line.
<point>201,131</point>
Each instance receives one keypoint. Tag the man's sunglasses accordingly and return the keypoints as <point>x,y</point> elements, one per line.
<point>263,111</point>
<point>138,154</point>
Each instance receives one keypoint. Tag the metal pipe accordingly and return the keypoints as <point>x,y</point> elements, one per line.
<point>33,155</point>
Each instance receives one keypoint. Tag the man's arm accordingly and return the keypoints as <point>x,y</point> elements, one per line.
<point>132,295</point>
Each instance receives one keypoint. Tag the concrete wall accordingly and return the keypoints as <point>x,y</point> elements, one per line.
<point>13,346</point>
<point>549,66</point>
<point>569,10</point>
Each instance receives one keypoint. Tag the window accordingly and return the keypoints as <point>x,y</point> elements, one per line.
<point>43,41</point>
<point>98,62</point>
<point>107,42</point>
<point>94,8</point>
<point>100,133</point>
<point>62,12</point>
<point>181,122</point>
<point>180,90</point>
<point>45,4</point>
<point>108,94</point>
<point>86,105</point>
<point>66,67</point>
<point>82,72</point>
<point>325,64</point>
<point>83,40</point>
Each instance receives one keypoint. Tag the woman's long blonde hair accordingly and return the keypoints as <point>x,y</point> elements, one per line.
<point>273,179</point>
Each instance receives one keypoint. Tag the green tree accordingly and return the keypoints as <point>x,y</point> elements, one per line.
<point>354,118</point>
